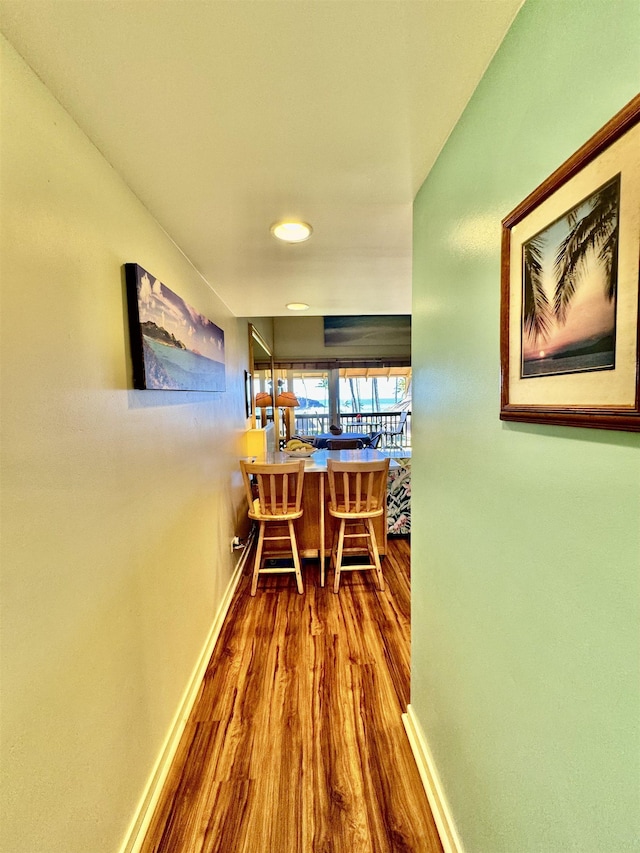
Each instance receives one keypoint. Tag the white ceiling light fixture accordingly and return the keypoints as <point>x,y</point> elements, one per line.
<point>297,306</point>
<point>292,232</point>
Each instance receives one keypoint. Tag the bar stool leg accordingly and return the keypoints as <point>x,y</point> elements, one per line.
<point>296,556</point>
<point>334,547</point>
<point>322,516</point>
<point>376,555</point>
<point>258,560</point>
<point>338,561</point>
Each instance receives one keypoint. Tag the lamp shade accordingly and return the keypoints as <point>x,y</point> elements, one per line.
<point>263,400</point>
<point>287,399</point>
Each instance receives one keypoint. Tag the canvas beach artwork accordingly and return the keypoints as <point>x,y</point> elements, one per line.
<point>367,330</point>
<point>173,347</point>
<point>570,276</point>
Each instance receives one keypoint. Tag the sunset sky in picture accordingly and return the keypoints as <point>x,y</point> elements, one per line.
<point>590,313</point>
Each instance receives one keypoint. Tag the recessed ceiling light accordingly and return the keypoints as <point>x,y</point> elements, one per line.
<point>291,232</point>
<point>297,306</point>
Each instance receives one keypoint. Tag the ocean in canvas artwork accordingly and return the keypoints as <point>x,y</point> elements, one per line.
<point>182,350</point>
<point>569,283</point>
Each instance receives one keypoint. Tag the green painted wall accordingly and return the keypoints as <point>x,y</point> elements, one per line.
<point>526,628</point>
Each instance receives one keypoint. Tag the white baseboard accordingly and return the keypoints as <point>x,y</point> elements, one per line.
<point>430,779</point>
<point>144,813</point>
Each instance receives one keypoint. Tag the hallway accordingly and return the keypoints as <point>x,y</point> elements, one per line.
<point>296,743</point>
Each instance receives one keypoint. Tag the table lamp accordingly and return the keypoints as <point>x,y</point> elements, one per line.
<point>287,400</point>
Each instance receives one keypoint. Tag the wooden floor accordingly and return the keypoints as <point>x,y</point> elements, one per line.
<point>296,744</point>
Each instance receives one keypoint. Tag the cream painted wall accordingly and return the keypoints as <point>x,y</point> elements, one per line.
<point>526,550</point>
<point>118,506</point>
<point>303,338</point>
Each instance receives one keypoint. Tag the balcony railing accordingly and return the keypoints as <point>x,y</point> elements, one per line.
<point>365,422</point>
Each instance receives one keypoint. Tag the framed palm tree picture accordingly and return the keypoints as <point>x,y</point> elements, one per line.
<point>570,345</point>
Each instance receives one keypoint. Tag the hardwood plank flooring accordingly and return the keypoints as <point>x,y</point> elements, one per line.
<point>296,743</point>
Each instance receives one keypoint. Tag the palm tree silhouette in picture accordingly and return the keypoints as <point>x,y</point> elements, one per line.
<point>570,273</point>
<point>537,319</point>
<point>595,233</point>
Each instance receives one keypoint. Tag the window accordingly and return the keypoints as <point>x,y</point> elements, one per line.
<point>312,390</point>
<point>372,393</point>
<point>342,395</point>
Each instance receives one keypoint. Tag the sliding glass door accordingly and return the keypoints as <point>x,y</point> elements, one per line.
<point>355,399</point>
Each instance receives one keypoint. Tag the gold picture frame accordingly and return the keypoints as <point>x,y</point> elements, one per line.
<point>569,338</point>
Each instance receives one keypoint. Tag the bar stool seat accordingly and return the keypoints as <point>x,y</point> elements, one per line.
<point>275,501</point>
<point>357,495</point>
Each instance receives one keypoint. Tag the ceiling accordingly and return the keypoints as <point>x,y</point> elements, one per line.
<point>224,116</point>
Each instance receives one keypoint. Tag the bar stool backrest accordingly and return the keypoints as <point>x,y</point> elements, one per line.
<point>358,488</point>
<point>274,490</point>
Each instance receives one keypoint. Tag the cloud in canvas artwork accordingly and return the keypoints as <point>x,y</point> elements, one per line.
<point>168,311</point>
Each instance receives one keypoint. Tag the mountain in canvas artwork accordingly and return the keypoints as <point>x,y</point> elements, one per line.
<point>570,275</point>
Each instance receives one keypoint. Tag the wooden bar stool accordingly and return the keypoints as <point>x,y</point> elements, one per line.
<point>358,492</point>
<point>277,504</point>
